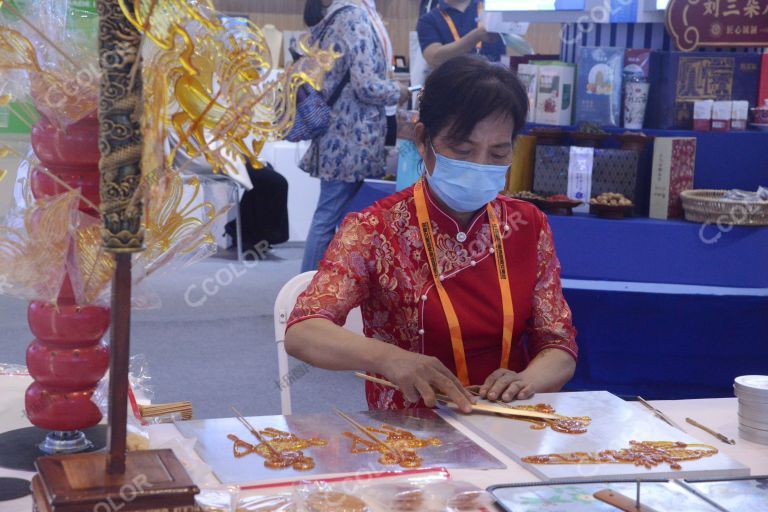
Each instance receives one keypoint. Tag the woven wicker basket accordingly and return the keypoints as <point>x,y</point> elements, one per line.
<point>708,206</point>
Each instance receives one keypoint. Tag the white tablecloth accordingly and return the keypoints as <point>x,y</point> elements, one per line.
<point>719,414</point>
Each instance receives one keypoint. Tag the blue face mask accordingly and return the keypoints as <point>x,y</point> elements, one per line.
<point>465,186</point>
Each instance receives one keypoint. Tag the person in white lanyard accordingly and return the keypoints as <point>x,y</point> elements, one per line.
<point>384,39</point>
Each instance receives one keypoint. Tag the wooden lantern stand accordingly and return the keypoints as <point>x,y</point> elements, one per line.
<point>116,480</point>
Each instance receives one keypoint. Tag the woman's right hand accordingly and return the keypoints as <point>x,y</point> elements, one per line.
<point>419,376</point>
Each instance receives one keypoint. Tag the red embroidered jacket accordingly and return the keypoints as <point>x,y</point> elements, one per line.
<point>377,261</point>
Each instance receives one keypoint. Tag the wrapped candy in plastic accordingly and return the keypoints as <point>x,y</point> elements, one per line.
<point>319,496</point>
<point>397,497</point>
<point>33,248</point>
<point>51,40</point>
<point>456,496</point>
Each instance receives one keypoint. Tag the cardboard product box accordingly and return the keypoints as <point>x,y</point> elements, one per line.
<point>721,116</point>
<point>678,79</point>
<point>762,95</point>
<point>599,85</point>
<point>529,76</point>
<point>554,94</point>
<point>520,174</point>
<point>702,115</point>
<point>739,115</point>
<point>674,161</point>
<point>516,60</point>
<point>612,170</point>
<point>637,62</point>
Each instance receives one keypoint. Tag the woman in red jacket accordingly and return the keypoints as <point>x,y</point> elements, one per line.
<point>458,286</point>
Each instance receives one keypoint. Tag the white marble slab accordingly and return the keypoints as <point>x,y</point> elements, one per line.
<point>614,424</point>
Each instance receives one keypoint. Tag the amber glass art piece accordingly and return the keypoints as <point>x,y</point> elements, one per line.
<point>279,449</point>
<point>396,446</point>
<point>563,424</point>
<point>647,454</point>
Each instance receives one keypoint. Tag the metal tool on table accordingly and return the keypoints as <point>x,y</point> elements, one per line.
<point>663,417</point>
<point>495,409</point>
<point>708,430</point>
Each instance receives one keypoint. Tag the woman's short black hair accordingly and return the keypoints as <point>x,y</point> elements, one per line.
<point>465,90</point>
<point>313,12</point>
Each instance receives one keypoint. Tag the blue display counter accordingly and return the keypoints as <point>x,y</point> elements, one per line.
<point>667,346</point>
<point>654,251</point>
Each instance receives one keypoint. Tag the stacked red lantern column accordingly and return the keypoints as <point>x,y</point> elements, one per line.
<point>66,358</point>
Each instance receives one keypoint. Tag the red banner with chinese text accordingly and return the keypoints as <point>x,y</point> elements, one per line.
<point>723,23</point>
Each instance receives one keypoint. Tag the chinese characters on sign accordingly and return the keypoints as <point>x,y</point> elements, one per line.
<point>723,23</point>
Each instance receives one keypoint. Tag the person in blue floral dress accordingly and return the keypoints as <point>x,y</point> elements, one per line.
<point>353,147</point>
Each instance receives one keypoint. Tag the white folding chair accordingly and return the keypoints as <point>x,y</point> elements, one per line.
<point>284,304</point>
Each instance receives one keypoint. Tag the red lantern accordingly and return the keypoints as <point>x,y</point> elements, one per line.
<point>67,358</point>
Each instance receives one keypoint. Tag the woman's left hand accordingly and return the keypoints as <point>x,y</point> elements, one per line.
<point>506,385</point>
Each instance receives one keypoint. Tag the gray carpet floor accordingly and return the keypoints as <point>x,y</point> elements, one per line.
<point>219,354</point>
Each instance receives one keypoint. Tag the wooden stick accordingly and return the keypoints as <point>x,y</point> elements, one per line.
<point>119,353</point>
<point>369,435</point>
<point>30,111</point>
<point>708,430</point>
<point>256,433</point>
<point>66,185</point>
<point>495,409</point>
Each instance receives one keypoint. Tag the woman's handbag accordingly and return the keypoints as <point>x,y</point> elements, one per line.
<point>313,112</point>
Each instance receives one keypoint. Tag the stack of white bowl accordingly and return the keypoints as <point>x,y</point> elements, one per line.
<point>752,391</point>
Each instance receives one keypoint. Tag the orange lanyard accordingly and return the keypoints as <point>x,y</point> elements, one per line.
<point>452,25</point>
<point>457,343</point>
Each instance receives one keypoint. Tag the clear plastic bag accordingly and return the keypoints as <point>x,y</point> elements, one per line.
<point>397,497</point>
<point>280,503</point>
<point>218,499</point>
<point>751,197</point>
<point>318,496</point>
<point>33,248</point>
<point>456,496</point>
<point>140,390</point>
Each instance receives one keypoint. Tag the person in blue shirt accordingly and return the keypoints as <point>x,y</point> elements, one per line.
<point>452,29</point>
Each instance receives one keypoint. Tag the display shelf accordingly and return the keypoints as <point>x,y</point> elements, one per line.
<point>594,11</point>
<point>724,160</point>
